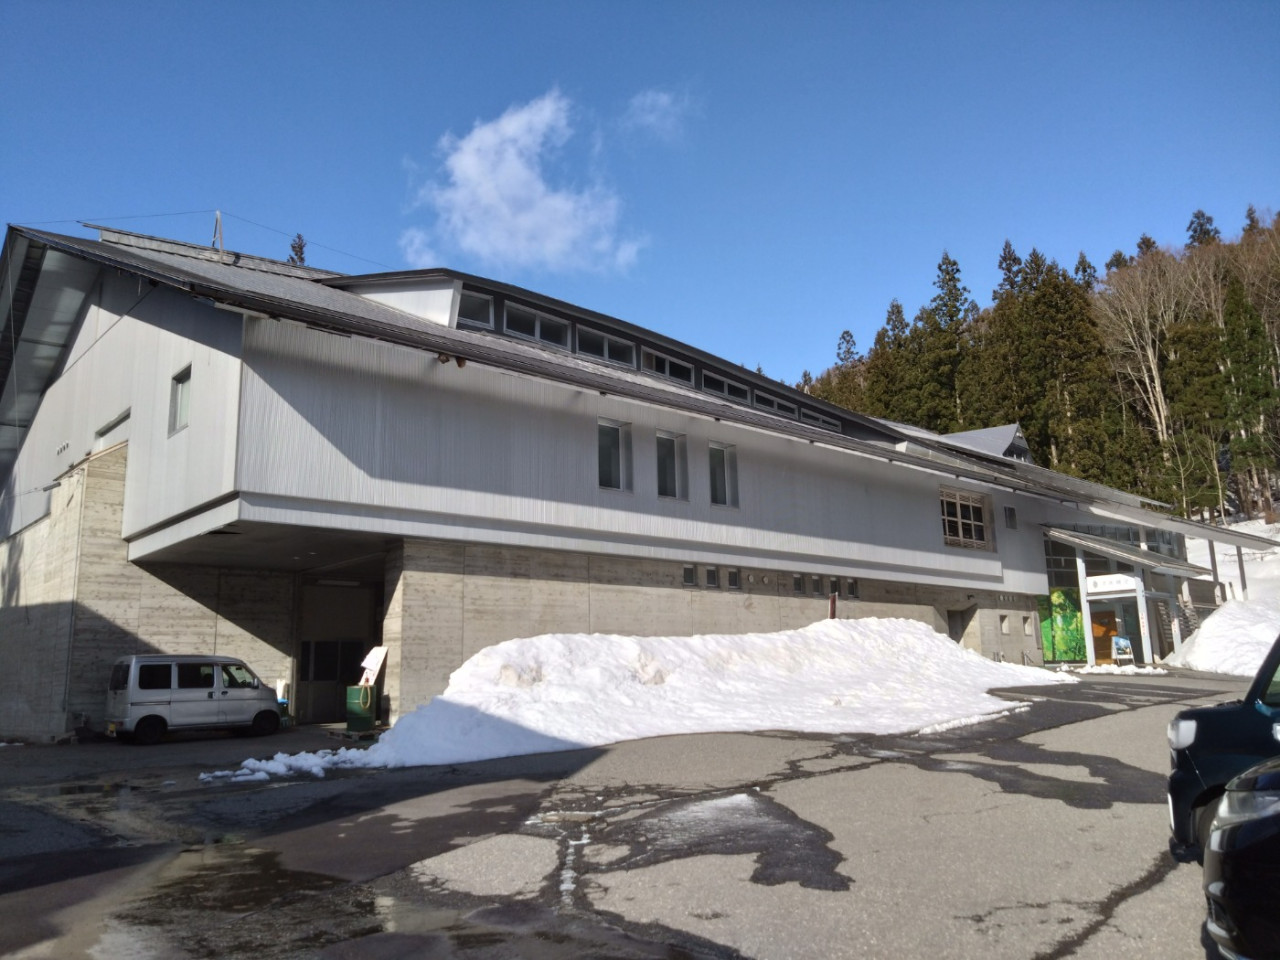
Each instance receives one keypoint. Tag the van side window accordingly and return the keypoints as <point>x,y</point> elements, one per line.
<point>154,676</point>
<point>236,677</point>
<point>195,675</point>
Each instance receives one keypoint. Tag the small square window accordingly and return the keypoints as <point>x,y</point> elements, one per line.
<point>180,401</point>
<point>690,575</point>
<point>523,323</point>
<point>713,577</point>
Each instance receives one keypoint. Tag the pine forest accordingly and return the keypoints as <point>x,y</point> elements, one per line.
<point>1160,376</point>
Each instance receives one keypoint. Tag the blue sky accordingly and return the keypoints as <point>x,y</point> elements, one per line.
<point>752,178</point>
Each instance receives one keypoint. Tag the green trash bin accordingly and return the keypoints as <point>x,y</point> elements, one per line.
<point>362,709</point>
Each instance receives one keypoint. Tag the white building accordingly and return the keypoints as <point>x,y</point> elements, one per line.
<point>211,452</point>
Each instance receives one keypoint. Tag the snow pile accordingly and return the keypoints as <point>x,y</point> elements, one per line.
<point>562,691</point>
<point>1235,637</point>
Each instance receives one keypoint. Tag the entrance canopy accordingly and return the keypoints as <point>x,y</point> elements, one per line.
<point>1134,556</point>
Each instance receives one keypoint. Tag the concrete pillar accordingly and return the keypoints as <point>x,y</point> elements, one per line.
<point>422,627</point>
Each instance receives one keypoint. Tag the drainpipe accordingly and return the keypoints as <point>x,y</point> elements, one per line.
<point>1244,586</point>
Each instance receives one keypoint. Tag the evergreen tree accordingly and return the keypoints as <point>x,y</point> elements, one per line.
<point>1086,273</point>
<point>1145,245</point>
<point>298,251</point>
<point>1201,232</point>
<point>1010,265</point>
<point>1116,261</point>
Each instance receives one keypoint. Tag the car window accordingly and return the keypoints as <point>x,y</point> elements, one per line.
<point>154,676</point>
<point>195,675</point>
<point>236,677</point>
<point>1271,695</point>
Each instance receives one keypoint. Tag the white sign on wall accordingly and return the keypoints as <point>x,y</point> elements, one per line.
<point>1112,583</point>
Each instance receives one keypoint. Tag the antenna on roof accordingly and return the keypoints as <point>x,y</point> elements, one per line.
<point>217,233</point>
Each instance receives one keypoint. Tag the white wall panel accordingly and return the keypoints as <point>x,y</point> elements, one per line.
<point>347,431</point>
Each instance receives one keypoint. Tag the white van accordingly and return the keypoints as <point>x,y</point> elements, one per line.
<point>151,694</point>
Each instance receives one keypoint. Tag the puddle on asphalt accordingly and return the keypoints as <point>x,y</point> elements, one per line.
<point>231,900</point>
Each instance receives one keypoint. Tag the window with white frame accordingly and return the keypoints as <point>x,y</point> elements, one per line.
<point>723,463</point>
<point>713,383</point>
<point>522,322</point>
<point>964,519</point>
<point>180,401</point>
<point>615,454</point>
<point>734,579</point>
<point>475,310</point>
<point>808,416</point>
<point>673,468</point>
<point>667,367</point>
<point>593,343</point>
<point>780,407</point>
<point>713,578</point>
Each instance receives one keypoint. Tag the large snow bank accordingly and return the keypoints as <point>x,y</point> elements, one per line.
<point>561,691</point>
<point>1236,636</point>
<point>1233,639</point>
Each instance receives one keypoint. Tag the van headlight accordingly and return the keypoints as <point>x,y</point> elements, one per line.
<point>1182,733</point>
<point>1237,806</point>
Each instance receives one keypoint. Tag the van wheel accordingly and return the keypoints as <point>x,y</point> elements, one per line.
<point>148,731</point>
<point>266,723</point>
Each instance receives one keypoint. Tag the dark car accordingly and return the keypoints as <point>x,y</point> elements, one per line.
<point>1242,866</point>
<point>1211,745</point>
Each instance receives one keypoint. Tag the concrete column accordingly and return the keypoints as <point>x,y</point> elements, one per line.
<point>422,627</point>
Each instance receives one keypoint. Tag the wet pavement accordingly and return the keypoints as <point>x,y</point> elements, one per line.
<point>1032,834</point>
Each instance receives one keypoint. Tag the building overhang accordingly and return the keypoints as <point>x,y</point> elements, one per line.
<point>1134,556</point>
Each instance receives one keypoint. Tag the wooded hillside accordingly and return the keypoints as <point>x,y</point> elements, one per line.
<point>1161,377</point>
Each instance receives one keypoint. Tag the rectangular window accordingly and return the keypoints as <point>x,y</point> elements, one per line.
<point>964,520</point>
<point>797,583</point>
<point>673,470</point>
<point>593,343</point>
<point>713,577</point>
<point>475,311</point>
<point>690,575</point>
<point>723,463</point>
<point>1026,626</point>
<point>833,586</point>
<point>195,676</point>
<point>667,367</point>
<point>734,579</point>
<point>614,441</point>
<point>180,401</point>
<point>155,676</point>
<point>521,322</point>
<point>815,585</point>
<point>1004,624</point>
<point>852,588</point>
<point>808,416</point>
<point>711,383</point>
<point>780,407</point>
<point>1011,518</point>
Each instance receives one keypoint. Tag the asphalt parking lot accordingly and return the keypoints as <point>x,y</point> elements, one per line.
<point>1041,834</point>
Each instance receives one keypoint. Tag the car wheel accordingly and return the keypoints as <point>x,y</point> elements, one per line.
<point>148,731</point>
<point>266,723</point>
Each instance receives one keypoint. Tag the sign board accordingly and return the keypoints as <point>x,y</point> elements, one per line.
<point>1112,583</point>
<point>372,663</point>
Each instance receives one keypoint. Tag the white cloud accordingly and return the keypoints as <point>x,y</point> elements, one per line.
<point>657,111</point>
<point>415,244</point>
<point>496,203</point>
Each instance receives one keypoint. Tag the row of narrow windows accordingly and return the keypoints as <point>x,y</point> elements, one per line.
<point>801,585</point>
<point>475,310</point>
<point>671,456</point>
